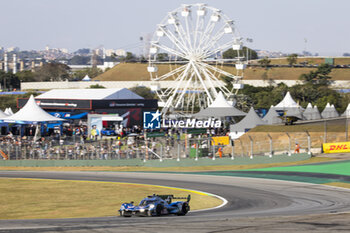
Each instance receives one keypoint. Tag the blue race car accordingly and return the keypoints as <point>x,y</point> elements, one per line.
<point>156,205</point>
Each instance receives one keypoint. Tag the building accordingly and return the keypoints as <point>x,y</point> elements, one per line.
<point>75,104</point>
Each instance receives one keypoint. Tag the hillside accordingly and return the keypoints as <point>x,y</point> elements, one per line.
<point>138,72</point>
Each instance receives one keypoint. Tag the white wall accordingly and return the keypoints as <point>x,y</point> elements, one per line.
<point>163,84</point>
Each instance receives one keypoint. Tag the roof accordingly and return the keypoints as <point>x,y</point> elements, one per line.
<point>287,102</point>
<point>248,122</point>
<point>311,113</point>
<point>347,111</point>
<point>2,114</point>
<point>31,112</point>
<point>90,94</point>
<point>86,78</point>
<point>272,117</point>
<point>220,108</point>
<point>329,111</point>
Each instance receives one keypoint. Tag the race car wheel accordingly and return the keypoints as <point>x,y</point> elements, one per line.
<point>159,209</point>
<point>184,209</point>
<point>122,213</point>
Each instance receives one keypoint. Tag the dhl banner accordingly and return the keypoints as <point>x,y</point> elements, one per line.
<point>339,147</point>
<point>224,140</point>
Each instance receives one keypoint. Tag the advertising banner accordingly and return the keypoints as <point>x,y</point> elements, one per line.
<point>339,147</point>
<point>224,140</point>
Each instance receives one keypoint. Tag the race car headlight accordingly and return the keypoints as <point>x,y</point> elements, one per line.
<point>151,206</point>
<point>142,210</point>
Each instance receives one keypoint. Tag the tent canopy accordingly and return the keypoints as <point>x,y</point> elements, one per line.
<point>31,112</point>
<point>272,117</point>
<point>287,102</point>
<point>220,108</point>
<point>248,122</point>
<point>90,94</point>
<point>86,78</point>
<point>329,111</point>
<point>311,113</point>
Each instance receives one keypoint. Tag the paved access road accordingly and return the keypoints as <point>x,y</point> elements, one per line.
<point>254,205</point>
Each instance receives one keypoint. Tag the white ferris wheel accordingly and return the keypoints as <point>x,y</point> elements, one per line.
<point>191,41</point>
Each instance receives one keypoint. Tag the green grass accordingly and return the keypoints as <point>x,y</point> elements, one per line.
<point>35,198</point>
<point>338,168</point>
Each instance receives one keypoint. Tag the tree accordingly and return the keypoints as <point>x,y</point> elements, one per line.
<point>318,77</point>
<point>162,57</point>
<point>144,92</point>
<point>9,81</point>
<point>79,60</point>
<point>91,72</point>
<point>231,54</point>
<point>95,86</point>
<point>292,59</point>
<point>52,72</point>
<point>26,76</point>
<point>265,62</point>
<point>129,57</point>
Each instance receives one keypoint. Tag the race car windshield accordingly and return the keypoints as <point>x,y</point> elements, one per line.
<point>146,202</point>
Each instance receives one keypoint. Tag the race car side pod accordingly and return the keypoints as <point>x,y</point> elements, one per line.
<point>4,155</point>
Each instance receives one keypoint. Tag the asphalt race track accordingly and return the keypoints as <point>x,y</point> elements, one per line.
<point>254,205</point>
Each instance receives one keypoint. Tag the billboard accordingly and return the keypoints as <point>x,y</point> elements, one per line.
<point>338,147</point>
<point>58,103</point>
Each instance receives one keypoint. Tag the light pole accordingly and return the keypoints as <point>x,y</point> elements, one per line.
<point>249,40</point>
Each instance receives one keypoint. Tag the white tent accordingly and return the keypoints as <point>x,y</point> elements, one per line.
<point>220,108</point>
<point>291,108</point>
<point>8,111</point>
<point>287,102</point>
<point>311,113</point>
<point>248,122</point>
<point>272,117</point>
<point>329,111</point>
<point>347,111</point>
<point>2,114</point>
<point>86,78</point>
<point>31,112</point>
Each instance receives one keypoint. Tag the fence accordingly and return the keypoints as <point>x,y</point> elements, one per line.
<point>167,148</point>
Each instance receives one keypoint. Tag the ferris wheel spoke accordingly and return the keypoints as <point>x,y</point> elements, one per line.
<point>180,79</point>
<point>220,48</point>
<point>206,34</point>
<point>211,40</point>
<point>180,98</point>
<point>209,80</point>
<point>174,39</point>
<point>217,70</point>
<point>171,73</point>
<point>188,33</point>
<point>219,82</point>
<point>170,50</point>
<point>180,31</point>
<point>195,68</point>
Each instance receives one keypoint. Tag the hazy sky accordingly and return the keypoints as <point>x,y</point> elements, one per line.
<point>275,25</point>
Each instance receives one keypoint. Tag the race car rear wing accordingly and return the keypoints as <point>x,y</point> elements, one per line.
<point>170,197</point>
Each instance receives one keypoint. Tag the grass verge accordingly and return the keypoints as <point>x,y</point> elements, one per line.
<point>173,169</point>
<point>37,198</point>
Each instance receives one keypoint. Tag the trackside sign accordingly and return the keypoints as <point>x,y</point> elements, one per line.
<point>339,147</point>
<point>152,120</point>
